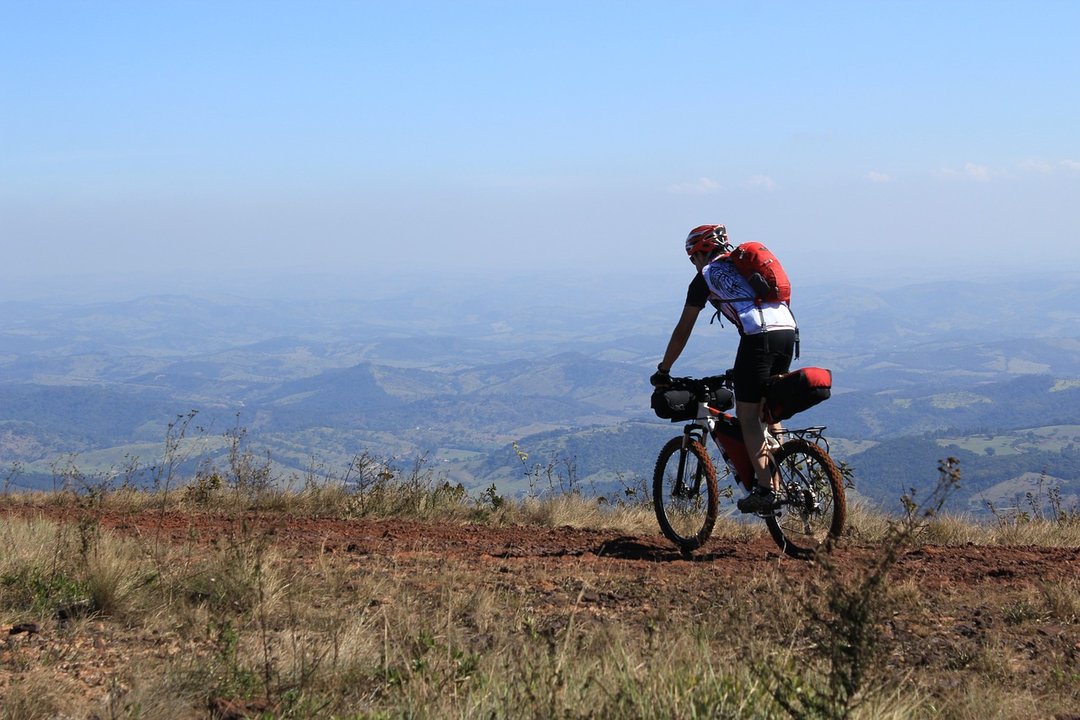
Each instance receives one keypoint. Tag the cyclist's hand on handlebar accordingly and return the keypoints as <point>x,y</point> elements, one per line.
<point>660,378</point>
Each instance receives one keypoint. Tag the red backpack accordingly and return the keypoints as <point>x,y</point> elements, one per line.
<point>763,271</point>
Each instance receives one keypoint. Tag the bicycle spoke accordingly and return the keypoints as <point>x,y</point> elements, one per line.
<point>813,505</point>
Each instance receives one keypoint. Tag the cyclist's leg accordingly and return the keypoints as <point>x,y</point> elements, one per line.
<point>752,365</point>
<point>753,432</point>
<point>759,357</point>
<point>781,364</point>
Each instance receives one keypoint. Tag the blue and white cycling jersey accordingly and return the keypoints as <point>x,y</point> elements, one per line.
<point>732,295</point>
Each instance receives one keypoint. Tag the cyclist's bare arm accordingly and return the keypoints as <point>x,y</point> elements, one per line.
<point>680,335</point>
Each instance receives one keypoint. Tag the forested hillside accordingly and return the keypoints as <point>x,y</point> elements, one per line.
<point>315,383</point>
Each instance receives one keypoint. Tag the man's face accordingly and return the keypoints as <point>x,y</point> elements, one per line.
<point>700,260</point>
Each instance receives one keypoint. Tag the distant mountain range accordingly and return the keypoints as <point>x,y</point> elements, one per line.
<point>460,378</point>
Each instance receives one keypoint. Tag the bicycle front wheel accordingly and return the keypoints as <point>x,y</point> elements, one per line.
<point>684,493</point>
<point>812,503</point>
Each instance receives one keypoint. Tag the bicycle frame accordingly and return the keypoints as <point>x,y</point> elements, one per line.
<point>726,432</point>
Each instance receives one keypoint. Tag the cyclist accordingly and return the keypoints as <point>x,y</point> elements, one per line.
<point>767,336</point>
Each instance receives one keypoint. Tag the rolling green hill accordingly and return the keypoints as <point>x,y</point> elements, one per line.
<point>459,381</point>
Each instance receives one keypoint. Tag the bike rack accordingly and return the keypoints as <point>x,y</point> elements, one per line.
<point>811,434</point>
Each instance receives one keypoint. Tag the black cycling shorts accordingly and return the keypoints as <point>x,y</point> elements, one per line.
<point>759,357</point>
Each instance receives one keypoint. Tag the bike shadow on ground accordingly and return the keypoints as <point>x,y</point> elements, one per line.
<point>636,548</point>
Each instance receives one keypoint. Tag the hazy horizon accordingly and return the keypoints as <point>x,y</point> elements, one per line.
<point>601,286</point>
<point>180,145</point>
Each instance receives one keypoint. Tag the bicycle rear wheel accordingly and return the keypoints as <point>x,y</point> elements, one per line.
<point>684,493</point>
<point>812,503</point>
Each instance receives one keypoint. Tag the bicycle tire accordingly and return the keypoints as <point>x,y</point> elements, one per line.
<point>686,513</point>
<point>813,506</point>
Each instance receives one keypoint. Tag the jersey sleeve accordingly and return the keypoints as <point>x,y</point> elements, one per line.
<point>697,295</point>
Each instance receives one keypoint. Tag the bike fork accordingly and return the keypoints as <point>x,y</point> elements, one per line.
<point>680,479</point>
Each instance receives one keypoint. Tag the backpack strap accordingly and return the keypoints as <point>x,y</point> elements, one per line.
<point>796,331</point>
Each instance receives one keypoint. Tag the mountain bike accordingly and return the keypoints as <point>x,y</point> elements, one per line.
<point>811,504</point>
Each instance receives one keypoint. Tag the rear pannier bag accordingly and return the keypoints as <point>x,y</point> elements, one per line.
<point>794,392</point>
<point>674,405</point>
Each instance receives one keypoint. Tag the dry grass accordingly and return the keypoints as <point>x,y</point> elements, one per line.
<point>870,525</point>
<point>430,500</point>
<point>134,627</point>
<point>580,512</point>
<point>437,638</point>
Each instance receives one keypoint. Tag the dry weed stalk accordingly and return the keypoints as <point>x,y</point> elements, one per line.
<point>845,612</point>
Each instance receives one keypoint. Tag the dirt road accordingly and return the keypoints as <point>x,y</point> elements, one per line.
<point>300,537</point>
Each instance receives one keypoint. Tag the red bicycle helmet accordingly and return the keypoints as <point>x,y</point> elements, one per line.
<point>706,238</point>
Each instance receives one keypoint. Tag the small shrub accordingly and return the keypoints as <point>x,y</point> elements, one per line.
<point>846,612</point>
<point>204,489</point>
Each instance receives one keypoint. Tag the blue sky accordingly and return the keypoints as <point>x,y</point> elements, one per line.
<point>855,138</point>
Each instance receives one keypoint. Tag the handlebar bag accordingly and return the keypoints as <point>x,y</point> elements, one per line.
<point>674,405</point>
<point>793,392</point>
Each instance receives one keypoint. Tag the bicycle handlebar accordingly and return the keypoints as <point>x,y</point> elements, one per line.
<point>714,390</point>
<point>703,386</point>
